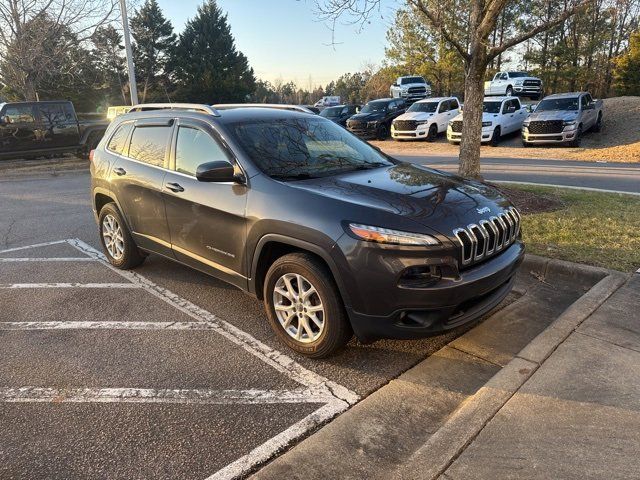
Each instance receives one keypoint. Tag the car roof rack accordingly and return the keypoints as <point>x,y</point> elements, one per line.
<point>278,106</point>
<point>196,107</point>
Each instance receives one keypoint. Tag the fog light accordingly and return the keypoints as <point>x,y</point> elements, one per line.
<point>421,276</point>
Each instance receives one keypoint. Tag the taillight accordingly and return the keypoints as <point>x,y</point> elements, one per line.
<point>91,155</point>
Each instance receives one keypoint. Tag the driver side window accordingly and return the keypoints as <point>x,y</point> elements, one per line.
<point>195,147</point>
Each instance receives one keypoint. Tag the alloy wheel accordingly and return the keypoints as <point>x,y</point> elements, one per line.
<point>113,237</point>
<point>299,308</point>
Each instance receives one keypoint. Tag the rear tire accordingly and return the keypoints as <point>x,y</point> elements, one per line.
<point>495,138</point>
<point>433,133</point>
<point>116,240</point>
<point>310,317</point>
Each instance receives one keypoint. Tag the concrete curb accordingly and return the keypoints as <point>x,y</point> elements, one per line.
<point>445,445</point>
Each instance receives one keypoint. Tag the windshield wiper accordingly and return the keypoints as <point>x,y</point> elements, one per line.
<point>292,176</point>
<point>372,165</point>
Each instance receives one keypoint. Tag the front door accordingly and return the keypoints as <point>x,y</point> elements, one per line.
<point>59,125</point>
<point>20,131</point>
<point>206,219</point>
<point>137,177</point>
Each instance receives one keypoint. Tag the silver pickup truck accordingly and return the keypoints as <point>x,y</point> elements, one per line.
<point>562,118</point>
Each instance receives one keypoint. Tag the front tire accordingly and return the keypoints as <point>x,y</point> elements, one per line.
<point>433,133</point>
<point>495,138</point>
<point>383,132</point>
<point>117,243</point>
<point>304,306</point>
<point>577,139</point>
<point>509,91</point>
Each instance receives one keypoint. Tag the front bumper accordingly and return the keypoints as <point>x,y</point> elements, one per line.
<point>487,135</point>
<point>420,132</point>
<point>381,307</point>
<point>364,131</point>
<point>527,91</point>
<point>541,138</point>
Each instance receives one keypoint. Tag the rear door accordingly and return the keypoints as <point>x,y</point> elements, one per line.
<point>137,177</point>
<point>59,125</point>
<point>206,219</point>
<point>21,132</point>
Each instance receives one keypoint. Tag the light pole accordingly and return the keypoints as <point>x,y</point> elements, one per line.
<point>133,89</point>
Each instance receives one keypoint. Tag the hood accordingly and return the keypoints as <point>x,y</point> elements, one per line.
<point>526,78</point>
<point>415,116</point>
<point>367,117</point>
<point>437,200</point>
<point>486,117</point>
<point>554,115</point>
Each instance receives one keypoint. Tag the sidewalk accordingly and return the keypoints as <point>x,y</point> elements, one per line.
<point>576,417</point>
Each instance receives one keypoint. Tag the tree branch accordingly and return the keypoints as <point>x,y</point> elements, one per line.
<point>435,21</point>
<point>498,49</point>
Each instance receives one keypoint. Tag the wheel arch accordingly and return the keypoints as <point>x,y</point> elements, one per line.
<point>273,246</point>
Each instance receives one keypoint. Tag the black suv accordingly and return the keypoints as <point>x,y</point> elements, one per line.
<point>340,114</point>
<point>374,119</point>
<point>333,235</point>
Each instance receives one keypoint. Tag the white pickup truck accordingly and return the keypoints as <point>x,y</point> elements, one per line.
<point>425,119</point>
<point>501,116</point>
<point>328,101</point>
<point>410,89</point>
<point>562,118</point>
<point>514,83</point>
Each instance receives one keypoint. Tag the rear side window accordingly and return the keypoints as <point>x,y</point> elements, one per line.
<point>20,114</point>
<point>119,138</point>
<point>149,144</point>
<point>195,147</point>
<point>453,104</point>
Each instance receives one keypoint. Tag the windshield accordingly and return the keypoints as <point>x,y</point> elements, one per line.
<point>299,148</point>
<point>377,106</point>
<point>558,104</point>
<point>428,107</point>
<point>518,74</point>
<point>331,112</point>
<point>407,80</point>
<point>491,107</point>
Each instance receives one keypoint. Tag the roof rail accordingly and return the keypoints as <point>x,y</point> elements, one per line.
<point>197,107</point>
<point>278,106</point>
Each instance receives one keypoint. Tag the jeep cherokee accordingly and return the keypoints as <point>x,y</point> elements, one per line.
<point>332,235</point>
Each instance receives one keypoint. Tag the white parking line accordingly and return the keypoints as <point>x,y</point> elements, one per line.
<point>52,259</point>
<point>319,389</point>
<point>37,245</point>
<point>9,286</point>
<point>152,395</point>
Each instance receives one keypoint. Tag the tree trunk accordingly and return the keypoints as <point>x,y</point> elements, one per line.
<point>29,90</point>
<point>472,118</point>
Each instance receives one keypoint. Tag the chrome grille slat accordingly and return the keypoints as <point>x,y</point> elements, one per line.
<point>488,236</point>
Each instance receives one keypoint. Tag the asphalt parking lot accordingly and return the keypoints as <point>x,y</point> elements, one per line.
<point>162,372</point>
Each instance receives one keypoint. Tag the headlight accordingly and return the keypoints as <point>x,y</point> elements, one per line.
<point>525,123</point>
<point>518,82</point>
<point>569,122</point>
<point>394,237</point>
<point>451,123</point>
<point>422,122</point>
<point>373,124</point>
<point>486,124</point>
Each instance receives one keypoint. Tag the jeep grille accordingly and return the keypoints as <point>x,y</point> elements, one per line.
<point>488,237</point>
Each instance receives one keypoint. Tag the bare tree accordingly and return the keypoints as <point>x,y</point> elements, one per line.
<point>467,26</point>
<point>26,30</point>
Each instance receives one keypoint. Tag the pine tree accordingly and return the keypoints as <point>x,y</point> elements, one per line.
<point>209,69</point>
<point>153,42</point>
<point>627,72</point>
<point>110,65</point>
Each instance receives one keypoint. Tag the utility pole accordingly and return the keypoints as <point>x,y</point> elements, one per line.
<point>133,89</point>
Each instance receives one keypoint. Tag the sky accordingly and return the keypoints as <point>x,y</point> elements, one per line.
<point>285,39</point>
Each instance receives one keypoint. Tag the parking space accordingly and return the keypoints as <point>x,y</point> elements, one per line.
<point>97,361</point>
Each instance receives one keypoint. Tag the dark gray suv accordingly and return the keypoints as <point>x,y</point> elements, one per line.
<point>334,236</point>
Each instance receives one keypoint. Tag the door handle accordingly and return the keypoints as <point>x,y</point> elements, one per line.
<point>174,187</point>
<point>119,171</point>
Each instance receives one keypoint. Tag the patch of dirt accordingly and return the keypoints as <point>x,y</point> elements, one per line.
<point>619,140</point>
<point>528,202</point>
<point>51,166</point>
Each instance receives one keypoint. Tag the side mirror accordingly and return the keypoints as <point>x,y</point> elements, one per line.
<point>218,171</point>
<point>4,120</point>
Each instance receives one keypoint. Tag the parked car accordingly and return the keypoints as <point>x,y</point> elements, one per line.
<point>340,114</point>
<point>501,116</point>
<point>562,118</point>
<point>514,83</point>
<point>333,235</point>
<point>425,119</point>
<point>113,112</point>
<point>411,89</point>
<point>34,129</point>
<point>328,101</point>
<point>311,108</point>
<point>374,119</point>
